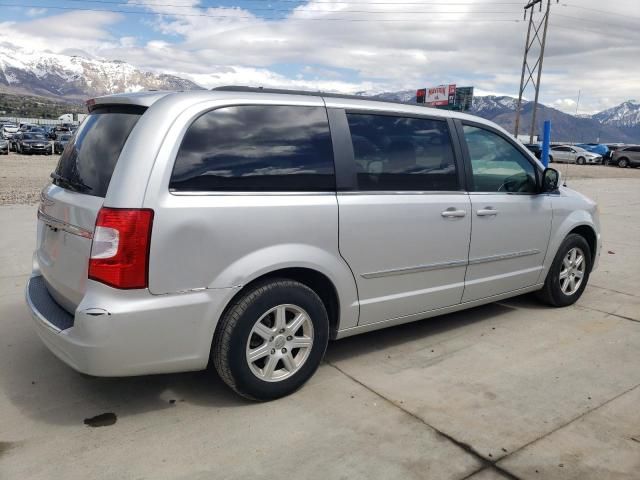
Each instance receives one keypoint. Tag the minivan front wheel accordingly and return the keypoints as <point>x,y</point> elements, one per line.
<point>569,272</point>
<point>271,340</point>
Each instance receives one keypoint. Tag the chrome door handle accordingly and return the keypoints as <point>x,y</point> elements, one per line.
<point>453,213</point>
<point>486,212</point>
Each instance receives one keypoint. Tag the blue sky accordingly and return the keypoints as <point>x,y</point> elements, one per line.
<point>348,45</point>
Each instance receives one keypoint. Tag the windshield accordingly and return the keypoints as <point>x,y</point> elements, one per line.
<point>65,138</point>
<point>88,161</point>
<point>32,136</point>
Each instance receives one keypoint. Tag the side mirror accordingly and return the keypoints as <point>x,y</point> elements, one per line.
<point>550,180</point>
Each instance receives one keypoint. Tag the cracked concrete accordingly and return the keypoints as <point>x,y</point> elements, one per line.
<point>508,390</point>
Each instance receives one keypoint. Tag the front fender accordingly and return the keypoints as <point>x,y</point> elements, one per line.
<point>568,214</point>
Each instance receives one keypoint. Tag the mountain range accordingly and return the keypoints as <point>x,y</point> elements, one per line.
<point>74,78</point>
<point>618,124</point>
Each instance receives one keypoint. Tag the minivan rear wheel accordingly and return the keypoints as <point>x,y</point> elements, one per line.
<point>271,340</point>
<point>569,273</point>
<point>623,163</point>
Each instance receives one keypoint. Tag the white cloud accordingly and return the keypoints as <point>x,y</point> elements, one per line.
<point>34,12</point>
<point>408,46</point>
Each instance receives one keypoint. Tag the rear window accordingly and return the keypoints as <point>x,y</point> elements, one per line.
<point>256,148</point>
<point>88,161</point>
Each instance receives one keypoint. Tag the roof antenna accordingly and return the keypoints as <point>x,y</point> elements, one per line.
<point>573,143</point>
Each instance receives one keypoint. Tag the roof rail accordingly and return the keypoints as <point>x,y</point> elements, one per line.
<point>285,91</point>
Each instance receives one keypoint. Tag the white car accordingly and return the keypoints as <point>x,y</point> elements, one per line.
<point>573,154</point>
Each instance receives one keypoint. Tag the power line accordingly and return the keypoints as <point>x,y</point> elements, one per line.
<point>345,2</point>
<point>600,11</point>
<point>597,22</point>
<point>272,9</point>
<point>130,12</point>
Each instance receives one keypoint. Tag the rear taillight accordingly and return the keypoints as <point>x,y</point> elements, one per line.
<point>120,248</point>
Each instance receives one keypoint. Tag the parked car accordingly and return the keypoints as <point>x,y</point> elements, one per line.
<point>597,148</point>
<point>535,149</point>
<point>8,130</point>
<point>627,156</point>
<point>61,142</point>
<point>30,143</point>
<point>572,154</point>
<point>58,130</point>
<point>248,227</point>
<point>4,146</point>
<point>608,159</point>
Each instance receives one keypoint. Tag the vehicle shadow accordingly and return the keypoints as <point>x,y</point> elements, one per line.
<point>436,329</point>
<point>46,390</point>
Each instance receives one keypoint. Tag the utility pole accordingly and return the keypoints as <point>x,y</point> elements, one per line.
<point>533,35</point>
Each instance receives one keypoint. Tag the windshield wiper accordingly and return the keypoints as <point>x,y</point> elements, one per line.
<point>75,185</point>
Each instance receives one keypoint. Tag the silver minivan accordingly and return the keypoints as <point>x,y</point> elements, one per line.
<point>245,228</point>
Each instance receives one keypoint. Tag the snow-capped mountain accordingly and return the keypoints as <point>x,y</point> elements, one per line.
<point>402,96</point>
<point>492,105</point>
<point>626,114</point>
<point>76,77</point>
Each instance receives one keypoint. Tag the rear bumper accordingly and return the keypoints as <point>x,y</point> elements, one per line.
<point>132,332</point>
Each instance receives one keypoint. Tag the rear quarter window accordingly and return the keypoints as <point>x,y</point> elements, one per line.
<point>92,153</point>
<point>256,148</point>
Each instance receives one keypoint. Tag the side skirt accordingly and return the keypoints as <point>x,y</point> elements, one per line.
<point>348,332</point>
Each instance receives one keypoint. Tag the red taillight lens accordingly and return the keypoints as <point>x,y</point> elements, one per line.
<point>120,248</point>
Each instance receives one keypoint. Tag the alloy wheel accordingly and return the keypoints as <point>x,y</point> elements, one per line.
<point>279,343</point>
<point>572,271</point>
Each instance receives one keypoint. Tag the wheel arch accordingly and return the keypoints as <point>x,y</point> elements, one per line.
<point>589,234</point>
<point>317,281</point>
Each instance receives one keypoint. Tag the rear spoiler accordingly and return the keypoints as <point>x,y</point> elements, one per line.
<point>140,99</point>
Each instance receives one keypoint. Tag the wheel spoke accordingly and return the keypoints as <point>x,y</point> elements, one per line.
<point>573,256</point>
<point>262,330</point>
<point>290,351</point>
<point>289,362</point>
<point>579,260</point>
<point>259,352</point>
<point>579,274</point>
<point>564,274</point>
<point>566,262</point>
<point>296,323</point>
<point>281,318</point>
<point>300,342</point>
<point>572,284</point>
<point>564,283</point>
<point>270,367</point>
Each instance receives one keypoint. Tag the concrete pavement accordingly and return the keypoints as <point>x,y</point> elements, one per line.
<point>508,390</point>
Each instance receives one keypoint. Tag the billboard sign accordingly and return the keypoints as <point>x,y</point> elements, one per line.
<point>441,96</point>
<point>421,95</point>
<point>464,98</point>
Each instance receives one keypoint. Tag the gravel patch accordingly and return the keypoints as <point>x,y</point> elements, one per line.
<point>22,177</point>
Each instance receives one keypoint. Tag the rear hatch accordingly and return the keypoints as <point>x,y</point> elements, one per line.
<point>70,204</point>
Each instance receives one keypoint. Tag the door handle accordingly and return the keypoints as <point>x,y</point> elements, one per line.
<point>451,212</point>
<point>486,212</point>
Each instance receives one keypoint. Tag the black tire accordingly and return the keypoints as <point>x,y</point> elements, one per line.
<point>551,293</point>
<point>623,163</point>
<point>228,351</point>
<point>580,161</point>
